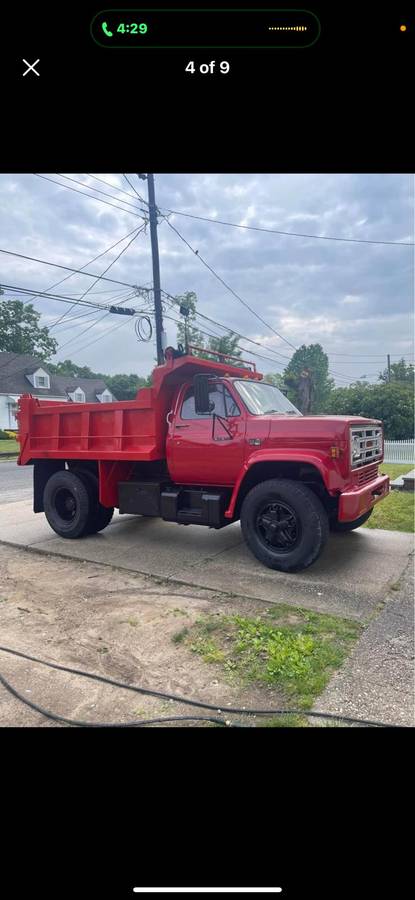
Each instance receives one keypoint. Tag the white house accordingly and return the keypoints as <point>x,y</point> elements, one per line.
<point>23,374</point>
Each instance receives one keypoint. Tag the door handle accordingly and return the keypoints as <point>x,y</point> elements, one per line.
<point>182,426</point>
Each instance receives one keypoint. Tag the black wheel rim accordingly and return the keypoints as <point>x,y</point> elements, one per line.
<point>65,504</point>
<point>278,526</point>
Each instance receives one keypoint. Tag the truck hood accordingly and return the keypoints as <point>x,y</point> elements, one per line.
<point>301,430</point>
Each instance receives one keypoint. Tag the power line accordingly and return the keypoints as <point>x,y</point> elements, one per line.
<point>67,325</point>
<point>114,186</point>
<point>90,263</point>
<point>98,191</point>
<point>319,237</point>
<point>238,347</point>
<point>34,296</point>
<point>229,329</point>
<point>98,199</point>
<point>58,297</point>
<point>244,303</point>
<point>47,262</point>
<point>134,189</point>
<point>365,356</point>
<point>100,337</point>
<point>196,253</point>
<point>245,338</point>
<point>95,293</point>
<point>92,324</point>
<point>17,372</point>
<point>135,236</point>
<point>361,363</point>
<point>244,349</point>
<point>61,298</point>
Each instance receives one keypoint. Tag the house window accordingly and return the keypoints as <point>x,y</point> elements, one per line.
<point>42,381</point>
<point>79,397</point>
<point>106,398</point>
<point>12,415</point>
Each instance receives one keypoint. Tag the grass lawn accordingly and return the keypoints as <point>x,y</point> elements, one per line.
<point>9,446</point>
<point>292,649</point>
<point>396,513</point>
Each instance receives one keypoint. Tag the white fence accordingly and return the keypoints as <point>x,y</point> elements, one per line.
<point>399,452</point>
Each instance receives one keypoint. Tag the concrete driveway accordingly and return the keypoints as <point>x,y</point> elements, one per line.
<point>350,579</point>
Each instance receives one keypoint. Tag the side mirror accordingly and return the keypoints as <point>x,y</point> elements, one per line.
<point>203,406</point>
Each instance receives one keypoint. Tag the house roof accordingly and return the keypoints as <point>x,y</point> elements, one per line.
<point>13,380</point>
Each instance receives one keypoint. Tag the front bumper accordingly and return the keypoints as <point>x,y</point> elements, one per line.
<point>354,503</point>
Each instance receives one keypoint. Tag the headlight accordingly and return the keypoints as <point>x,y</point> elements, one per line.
<point>356,449</point>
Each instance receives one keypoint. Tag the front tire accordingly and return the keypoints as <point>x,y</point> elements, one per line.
<point>284,524</point>
<point>344,527</point>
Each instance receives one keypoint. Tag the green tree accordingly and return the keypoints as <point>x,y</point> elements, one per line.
<point>309,358</point>
<point>400,372</point>
<point>276,379</point>
<point>392,403</point>
<point>228,343</point>
<point>20,331</point>
<point>125,387</point>
<point>67,367</point>
<point>194,336</point>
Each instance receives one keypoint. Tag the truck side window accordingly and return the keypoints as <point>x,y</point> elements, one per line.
<point>225,405</point>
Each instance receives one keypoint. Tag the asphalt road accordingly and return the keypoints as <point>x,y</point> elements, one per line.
<point>16,482</point>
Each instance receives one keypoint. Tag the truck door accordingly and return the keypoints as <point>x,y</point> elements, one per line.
<point>206,449</point>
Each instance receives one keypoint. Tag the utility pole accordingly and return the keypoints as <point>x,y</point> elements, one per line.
<point>389,368</point>
<point>156,268</point>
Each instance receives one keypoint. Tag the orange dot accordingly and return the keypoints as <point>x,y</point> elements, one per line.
<point>403,28</point>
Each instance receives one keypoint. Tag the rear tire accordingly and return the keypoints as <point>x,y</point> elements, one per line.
<point>343,527</point>
<point>100,515</point>
<point>284,524</point>
<point>67,503</point>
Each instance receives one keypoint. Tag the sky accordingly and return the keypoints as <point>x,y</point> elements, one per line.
<point>355,299</point>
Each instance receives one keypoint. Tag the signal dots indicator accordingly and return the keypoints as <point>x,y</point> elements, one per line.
<point>287,28</point>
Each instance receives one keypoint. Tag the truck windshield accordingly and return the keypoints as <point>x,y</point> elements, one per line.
<point>264,399</point>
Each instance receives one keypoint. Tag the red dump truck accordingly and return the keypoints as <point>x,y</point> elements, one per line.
<point>209,443</point>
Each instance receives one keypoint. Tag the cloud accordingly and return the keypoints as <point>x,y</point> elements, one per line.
<point>351,298</point>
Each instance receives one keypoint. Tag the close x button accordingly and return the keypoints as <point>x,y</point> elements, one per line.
<point>30,67</point>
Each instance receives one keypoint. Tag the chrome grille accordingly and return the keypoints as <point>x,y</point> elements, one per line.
<point>366,445</point>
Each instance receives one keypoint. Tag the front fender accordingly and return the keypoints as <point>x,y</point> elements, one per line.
<point>326,467</point>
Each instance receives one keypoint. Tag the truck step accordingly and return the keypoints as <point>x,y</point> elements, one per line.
<point>174,503</point>
<point>191,515</point>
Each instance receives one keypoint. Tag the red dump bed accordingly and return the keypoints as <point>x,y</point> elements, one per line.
<point>123,430</point>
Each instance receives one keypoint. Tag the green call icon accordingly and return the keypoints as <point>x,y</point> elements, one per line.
<point>106,30</point>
